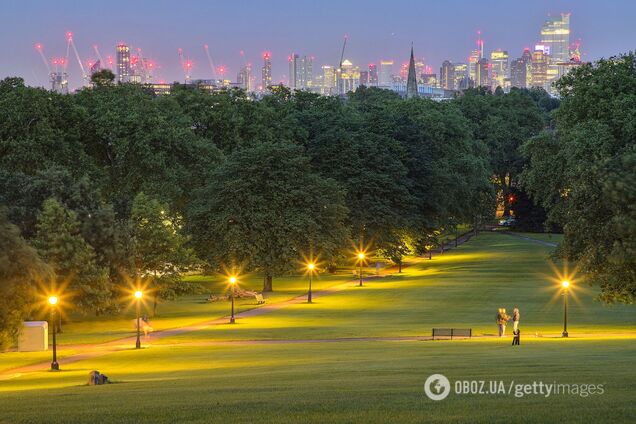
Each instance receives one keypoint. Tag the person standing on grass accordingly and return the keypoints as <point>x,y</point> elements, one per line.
<point>502,319</point>
<point>515,319</point>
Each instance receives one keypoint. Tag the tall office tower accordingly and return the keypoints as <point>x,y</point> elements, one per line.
<point>328,80</point>
<point>266,71</point>
<point>364,78</point>
<point>518,73</point>
<point>462,80</point>
<point>447,75</point>
<point>499,69</point>
<point>482,73</point>
<point>411,79</point>
<point>555,38</point>
<point>475,56</point>
<point>300,72</point>
<point>244,78</point>
<point>385,79</point>
<point>539,70</point>
<point>123,63</point>
<point>373,75</point>
<point>348,79</point>
<point>420,70</point>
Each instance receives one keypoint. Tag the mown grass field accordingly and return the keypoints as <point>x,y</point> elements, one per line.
<point>194,377</point>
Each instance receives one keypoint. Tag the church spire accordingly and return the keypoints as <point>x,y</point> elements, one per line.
<point>411,81</point>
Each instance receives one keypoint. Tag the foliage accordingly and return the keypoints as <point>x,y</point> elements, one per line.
<point>584,175</point>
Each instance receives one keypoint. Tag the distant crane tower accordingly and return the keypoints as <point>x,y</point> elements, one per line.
<point>210,62</point>
<point>186,65</point>
<point>344,44</point>
<point>57,78</point>
<point>69,37</point>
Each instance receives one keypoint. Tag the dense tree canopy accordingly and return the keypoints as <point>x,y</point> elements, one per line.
<point>585,174</point>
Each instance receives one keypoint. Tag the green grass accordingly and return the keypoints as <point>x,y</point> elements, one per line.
<point>188,378</point>
<point>367,382</point>
<point>550,237</point>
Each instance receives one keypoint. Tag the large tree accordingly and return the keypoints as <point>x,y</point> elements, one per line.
<point>20,271</point>
<point>60,243</point>
<point>264,208</point>
<point>585,174</point>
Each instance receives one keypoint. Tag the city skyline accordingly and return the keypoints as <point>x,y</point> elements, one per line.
<point>383,42</point>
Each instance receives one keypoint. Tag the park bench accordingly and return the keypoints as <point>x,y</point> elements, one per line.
<point>259,298</point>
<point>452,332</point>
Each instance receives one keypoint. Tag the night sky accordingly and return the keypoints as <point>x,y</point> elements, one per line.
<point>377,30</point>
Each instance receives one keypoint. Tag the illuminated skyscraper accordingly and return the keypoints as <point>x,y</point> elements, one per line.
<point>244,78</point>
<point>447,75</point>
<point>555,37</point>
<point>301,72</point>
<point>328,80</point>
<point>482,73</point>
<point>499,69</point>
<point>364,78</point>
<point>266,72</point>
<point>520,70</point>
<point>123,63</point>
<point>385,79</point>
<point>373,75</point>
<point>539,69</point>
<point>462,80</point>
<point>348,79</point>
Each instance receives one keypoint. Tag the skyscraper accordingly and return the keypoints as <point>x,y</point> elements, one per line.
<point>328,80</point>
<point>348,79</point>
<point>123,63</point>
<point>373,75</point>
<point>539,69</point>
<point>499,69</point>
<point>300,72</point>
<point>411,80</point>
<point>385,79</point>
<point>482,73</point>
<point>244,78</point>
<point>364,78</point>
<point>266,72</point>
<point>462,80</point>
<point>520,71</point>
<point>555,37</point>
<point>447,75</point>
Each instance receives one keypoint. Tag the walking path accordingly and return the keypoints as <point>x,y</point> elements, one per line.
<point>542,242</point>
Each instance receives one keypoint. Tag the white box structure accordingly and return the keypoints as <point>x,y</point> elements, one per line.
<point>34,336</point>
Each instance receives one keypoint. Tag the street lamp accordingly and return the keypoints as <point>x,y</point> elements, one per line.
<point>565,284</point>
<point>138,295</point>
<point>310,268</point>
<point>233,284</point>
<point>53,302</point>
<point>361,257</point>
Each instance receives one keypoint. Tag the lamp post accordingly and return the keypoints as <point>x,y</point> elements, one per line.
<point>310,268</point>
<point>138,295</point>
<point>53,302</point>
<point>565,284</point>
<point>360,260</point>
<point>232,284</point>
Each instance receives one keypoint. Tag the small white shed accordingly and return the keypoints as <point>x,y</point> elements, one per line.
<point>34,336</point>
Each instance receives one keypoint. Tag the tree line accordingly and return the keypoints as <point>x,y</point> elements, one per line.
<point>113,183</point>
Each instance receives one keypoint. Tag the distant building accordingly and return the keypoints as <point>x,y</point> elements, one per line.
<point>462,79</point>
<point>123,63</point>
<point>447,75</point>
<point>520,70</point>
<point>539,70</point>
<point>300,72</point>
<point>244,78</point>
<point>411,80</point>
<point>328,80</point>
<point>373,75</point>
<point>266,71</point>
<point>385,78</point>
<point>348,77</point>
<point>364,78</point>
<point>482,73</point>
<point>499,69</point>
<point>555,39</point>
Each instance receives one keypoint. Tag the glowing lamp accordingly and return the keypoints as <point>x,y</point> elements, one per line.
<point>565,284</point>
<point>138,294</point>
<point>53,300</point>
<point>232,280</point>
<point>311,266</point>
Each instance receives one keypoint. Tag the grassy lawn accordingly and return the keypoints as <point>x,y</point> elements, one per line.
<point>550,237</point>
<point>331,382</point>
<point>364,381</point>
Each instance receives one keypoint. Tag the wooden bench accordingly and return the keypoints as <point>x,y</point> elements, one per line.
<point>259,298</point>
<point>452,332</point>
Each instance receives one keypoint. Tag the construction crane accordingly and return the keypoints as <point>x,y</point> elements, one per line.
<point>186,65</point>
<point>71,43</point>
<point>57,78</point>
<point>344,44</point>
<point>210,62</point>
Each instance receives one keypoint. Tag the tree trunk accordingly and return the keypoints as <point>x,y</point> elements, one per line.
<point>430,254</point>
<point>154,306</point>
<point>400,266</point>
<point>267,283</point>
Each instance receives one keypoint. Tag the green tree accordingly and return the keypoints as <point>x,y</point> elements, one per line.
<point>585,173</point>
<point>20,271</point>
<point>60,243</point>
<point>159,249</point>
<point>264,208</point>
<point>103,77</point>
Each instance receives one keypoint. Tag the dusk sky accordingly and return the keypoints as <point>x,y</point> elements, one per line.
<point>377,30</point>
